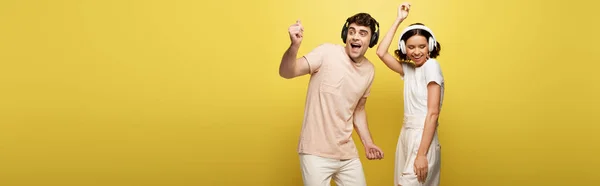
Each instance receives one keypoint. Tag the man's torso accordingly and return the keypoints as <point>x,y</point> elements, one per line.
<point>333,93</point>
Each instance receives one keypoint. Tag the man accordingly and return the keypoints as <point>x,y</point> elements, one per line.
<point>341,79</point>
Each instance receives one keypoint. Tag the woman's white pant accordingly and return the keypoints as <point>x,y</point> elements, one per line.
<point>406,152</point>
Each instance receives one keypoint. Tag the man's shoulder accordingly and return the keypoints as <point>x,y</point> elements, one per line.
<point>368,64</point>
<point>329,46</point>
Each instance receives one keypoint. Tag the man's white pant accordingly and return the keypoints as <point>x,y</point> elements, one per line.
<point>318,171</point>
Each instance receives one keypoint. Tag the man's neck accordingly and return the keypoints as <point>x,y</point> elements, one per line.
<point>359,60</point>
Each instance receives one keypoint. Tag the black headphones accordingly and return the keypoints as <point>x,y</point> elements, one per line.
<point>374,37</point>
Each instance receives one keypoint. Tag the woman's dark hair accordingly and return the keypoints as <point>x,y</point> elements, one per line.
<point>420,32</point>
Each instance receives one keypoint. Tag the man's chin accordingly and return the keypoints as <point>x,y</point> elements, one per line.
<point>354,55</point>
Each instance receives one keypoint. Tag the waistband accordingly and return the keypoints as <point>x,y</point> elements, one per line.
<point>413,121</point>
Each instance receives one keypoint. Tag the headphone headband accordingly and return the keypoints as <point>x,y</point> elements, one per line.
<point>432,41</point>
<point>413,27</point>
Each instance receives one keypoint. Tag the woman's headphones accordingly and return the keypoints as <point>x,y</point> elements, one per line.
<point>374,37</point>
<point>432,41</point>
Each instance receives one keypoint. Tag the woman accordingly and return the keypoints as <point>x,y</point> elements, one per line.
<point>418,149</point>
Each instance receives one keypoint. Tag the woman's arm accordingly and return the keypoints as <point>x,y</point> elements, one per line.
<point>382,50</point>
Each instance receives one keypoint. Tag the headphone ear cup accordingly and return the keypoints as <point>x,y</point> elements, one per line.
<point>431,44</point>
<point>374,39</point>
<point>402,47</point>
<point>344,33</point>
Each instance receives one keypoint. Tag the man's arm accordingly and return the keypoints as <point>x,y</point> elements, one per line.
<point>291,66</point>
<point>362,128</point>
<point>360,122</point>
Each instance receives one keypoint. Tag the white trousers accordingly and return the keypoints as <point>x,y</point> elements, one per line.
<point>406,152</point>
<point>318,171</point>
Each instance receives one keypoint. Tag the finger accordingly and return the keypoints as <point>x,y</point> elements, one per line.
<point>420,176</point>
<point>296,29</point>
<point>423,174</point>
<point>294,33</point>
<point>416,170</point>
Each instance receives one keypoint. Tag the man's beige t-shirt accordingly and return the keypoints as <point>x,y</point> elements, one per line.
<point>336,85</point>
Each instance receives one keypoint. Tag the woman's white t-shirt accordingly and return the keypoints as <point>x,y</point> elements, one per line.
<point>415,86</point>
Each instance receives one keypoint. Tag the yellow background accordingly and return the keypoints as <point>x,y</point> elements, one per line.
<point>180,93</point>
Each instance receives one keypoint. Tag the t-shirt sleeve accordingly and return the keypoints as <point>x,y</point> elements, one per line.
<point>315,57</point>
<point>433,72</point>
<point>404,67</point>
<point>368,90</point>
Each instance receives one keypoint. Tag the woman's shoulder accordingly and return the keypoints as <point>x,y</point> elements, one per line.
<point>432,62</point>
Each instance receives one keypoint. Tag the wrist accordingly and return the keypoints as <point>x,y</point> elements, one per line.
<point>295,46</point>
